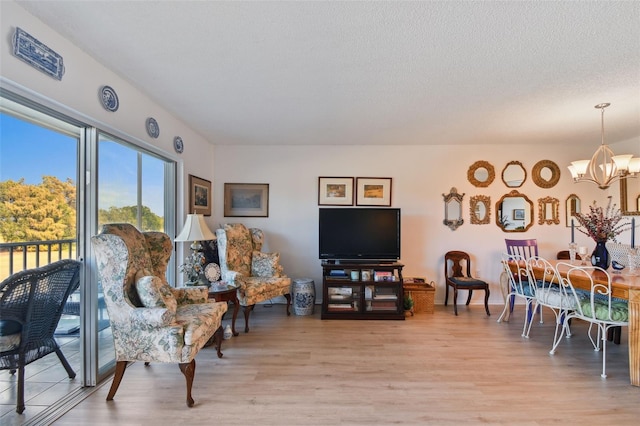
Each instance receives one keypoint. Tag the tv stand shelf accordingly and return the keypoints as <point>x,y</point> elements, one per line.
<point>373,292</point>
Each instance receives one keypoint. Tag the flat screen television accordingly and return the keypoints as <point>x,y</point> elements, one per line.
<point>359,234</point>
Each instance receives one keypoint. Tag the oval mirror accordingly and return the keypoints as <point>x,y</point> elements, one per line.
<point>630,196</point>
<point>514,174</point>
<point>453,209</point>
<point>514,212</point>
<point>548,211</point>
<point>545,174</point>
<point>480,209</point>
<point>481,174</point>
<point>572,206</point>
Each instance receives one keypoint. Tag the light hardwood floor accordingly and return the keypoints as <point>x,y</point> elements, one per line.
<point>429,369</point>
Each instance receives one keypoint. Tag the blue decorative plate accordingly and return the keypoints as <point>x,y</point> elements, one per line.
<point>178,145</point>
<point>109,98</point>
<point>152,127</point>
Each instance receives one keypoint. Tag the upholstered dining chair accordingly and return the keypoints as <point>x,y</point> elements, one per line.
<point>550,292</point>
<point>519,286</point>
<point>150,320</point>
<point>457,273</point>
<point>31,303</point>
<point>596,305</point>
<point>257,275</point>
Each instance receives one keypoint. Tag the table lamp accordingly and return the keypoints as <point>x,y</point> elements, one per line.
<point>195,229</point>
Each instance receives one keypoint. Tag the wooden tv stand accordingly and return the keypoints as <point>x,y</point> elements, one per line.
<point>374,292</point>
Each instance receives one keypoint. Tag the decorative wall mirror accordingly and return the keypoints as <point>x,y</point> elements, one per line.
<point>481,174</point>
<point>572,206</point>
<point>514,212</point>
<point>480,209</point>
<point>630,196</point>
<point>545,174</point>
<point>514,174</point>
<point>453,209</point>
<point>548,211</point>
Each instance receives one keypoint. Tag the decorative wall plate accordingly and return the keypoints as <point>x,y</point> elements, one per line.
<point>178,145</point>
<point>109,98</point>
<point>37,54</point>
<point>152,127</point>
<point>212,272</point>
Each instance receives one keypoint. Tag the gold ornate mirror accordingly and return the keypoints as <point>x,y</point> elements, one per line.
<point>548,208</point>
<point>545,174</point>
<point>481,174</point>
<point>572,205</point>
<point>514,174</point>
<point>514,212</point>
<point>480,209</point>
<point>630,196</point>
<point>453,209</point>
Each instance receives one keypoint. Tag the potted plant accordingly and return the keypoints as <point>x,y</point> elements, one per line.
<point>408,304</point>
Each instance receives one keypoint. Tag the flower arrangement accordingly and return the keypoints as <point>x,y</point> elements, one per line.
<point>193,266</point>
<point>601,225</point>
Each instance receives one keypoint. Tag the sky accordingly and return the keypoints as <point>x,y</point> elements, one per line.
<point>29,151</point>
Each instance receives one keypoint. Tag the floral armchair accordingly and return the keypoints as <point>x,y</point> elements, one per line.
<point>151,321</point>
<point>258,275</point>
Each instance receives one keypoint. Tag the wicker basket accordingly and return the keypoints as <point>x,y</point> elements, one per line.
<point>423,295</point>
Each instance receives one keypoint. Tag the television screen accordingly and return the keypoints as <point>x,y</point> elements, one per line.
<point>359,233</point>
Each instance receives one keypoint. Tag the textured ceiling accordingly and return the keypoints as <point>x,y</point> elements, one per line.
<point>309,73</point>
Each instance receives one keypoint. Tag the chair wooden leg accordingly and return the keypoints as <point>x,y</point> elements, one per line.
<point>20,402</point>
<point>455,301</point>
<point>65,364</point>
<point>288,297</point>
<point>446,294</point>
<point>218,336</point>
<point>486,302</point>
<point>247,311</point>
<point>117,378</point>
<point>189,371</point>
<point>469,297</point>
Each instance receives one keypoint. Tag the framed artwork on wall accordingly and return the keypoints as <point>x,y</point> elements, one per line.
<point>518,214</point>
<point>373,191</point>
<point>199,196</point>
<point>335,191</point>
<point>246,200</point>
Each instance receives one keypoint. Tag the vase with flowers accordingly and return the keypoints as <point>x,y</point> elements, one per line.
<point>601,225</point>
<point>193,267</point>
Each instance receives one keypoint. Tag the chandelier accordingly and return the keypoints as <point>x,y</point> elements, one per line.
<point>604,168</point>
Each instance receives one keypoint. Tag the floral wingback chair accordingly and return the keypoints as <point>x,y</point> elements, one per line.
<point>151,321</point>
<point>258,276</point>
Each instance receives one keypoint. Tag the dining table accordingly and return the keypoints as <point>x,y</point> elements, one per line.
<point>624,285</point>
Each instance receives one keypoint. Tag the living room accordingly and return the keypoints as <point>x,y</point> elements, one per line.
<point>421,170</point>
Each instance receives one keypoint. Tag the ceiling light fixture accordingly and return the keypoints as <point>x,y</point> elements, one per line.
<point>604,168</point>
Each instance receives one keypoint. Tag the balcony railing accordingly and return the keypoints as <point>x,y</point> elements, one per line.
<point>31,254</point>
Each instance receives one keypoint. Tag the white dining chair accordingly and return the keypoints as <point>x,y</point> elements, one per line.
<point>596,305</point>
<point>519,286</point>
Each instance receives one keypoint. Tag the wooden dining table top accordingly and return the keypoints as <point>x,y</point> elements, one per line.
<point>621,282</point>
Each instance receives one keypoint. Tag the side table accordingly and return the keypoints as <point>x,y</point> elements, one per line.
<point>228,294</point>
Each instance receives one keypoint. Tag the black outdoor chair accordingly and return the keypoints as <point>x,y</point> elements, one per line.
<point>31,303</point>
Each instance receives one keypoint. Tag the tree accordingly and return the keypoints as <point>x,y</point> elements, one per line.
<point>42,212</point>
<point>129,214</point>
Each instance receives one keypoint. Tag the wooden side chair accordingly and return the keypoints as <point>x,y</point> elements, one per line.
<point>524,248</point>
<point>454,264</point>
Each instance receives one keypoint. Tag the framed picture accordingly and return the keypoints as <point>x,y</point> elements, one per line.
<point>335,191</point>
<point>373,191</point>
<point>246,199</point>
<point>199,196</point>
<point>518,214</point>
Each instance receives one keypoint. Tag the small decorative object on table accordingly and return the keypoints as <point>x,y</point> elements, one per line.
<point>601,225</point>
<point>192,267</point>
<point>573,248</point>
<point>634,261</point>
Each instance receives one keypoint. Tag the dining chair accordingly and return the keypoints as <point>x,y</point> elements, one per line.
<point>596,305</point>
<point>550,292</point>
<point>519,286</point>
<point>565,255</point>
<point>454,263</point>
<point>523,248</point>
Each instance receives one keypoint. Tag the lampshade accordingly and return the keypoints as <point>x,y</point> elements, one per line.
<point>195,229</point>
<point>604,168</point>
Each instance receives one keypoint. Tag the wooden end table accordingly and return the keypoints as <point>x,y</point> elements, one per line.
<point>229,294</point>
